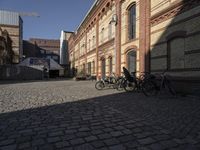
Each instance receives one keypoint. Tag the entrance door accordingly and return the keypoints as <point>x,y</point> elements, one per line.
<point>131,60</point>
<point>103,68</point>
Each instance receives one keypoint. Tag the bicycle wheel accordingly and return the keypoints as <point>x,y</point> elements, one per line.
<point>149,88</point>
<point>120,85</point>
<point>99,85</point>
<point>170,88</point>
<point>129,86</point>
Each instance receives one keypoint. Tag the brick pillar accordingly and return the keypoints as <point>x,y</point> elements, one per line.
<point>144,35</point>
<point>97,45</point>
<point>118,38</point>
<point>79,55</point>
<point>86,52</point>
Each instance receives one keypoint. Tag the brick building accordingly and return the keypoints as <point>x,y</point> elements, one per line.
<point>141,35</point>
<point>46,48</point>
<point>6,52</point>
<point>13,24</point>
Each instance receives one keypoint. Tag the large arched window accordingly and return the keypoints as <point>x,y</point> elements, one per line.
<point>131,61</point>
<point>132,21</point>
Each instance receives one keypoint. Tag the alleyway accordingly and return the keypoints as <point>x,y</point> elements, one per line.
<point>74,115</point>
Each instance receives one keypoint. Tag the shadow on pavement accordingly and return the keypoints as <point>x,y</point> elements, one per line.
<point>118,121</point>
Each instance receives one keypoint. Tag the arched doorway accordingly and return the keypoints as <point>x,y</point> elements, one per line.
<point>103,68</point>
<point>131,61</point>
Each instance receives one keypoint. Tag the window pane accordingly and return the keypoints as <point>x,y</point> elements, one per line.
<point>132,61</point>
<point>132,22</point>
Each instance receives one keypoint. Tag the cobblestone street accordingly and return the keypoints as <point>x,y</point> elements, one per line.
<point>70,115</point>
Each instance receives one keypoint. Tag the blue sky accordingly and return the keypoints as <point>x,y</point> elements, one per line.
<point>55,15</point>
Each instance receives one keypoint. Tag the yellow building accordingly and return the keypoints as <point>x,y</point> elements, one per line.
<point>142,35</point>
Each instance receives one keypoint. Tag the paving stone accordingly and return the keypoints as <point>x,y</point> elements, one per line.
<point>96,132</point>
<point>146,141</point>
<point>58,133</point>
<point>84,147</point>
<point>98,144</point>
<point>104,136</point>
<point>143,148</point>
<point>117,147</point>
<point>7,142</point>
<point>126,138</point>
<point>41,141</point>
<point>62,144</point>
<point>42,115</point>
<point>70,131</point>
<point>116,133</point>
<point>111,141</point>
<point>91,138</point>
<point>168,143</point>
<point>83,129</point>
<point>9,147</point>
<point>77,141</point>
<point>53,139</point>
<point>82,134</point>
<point>44,147</point>
<point>131,144</point>
<point>26,145</point>
<point>156,146</point>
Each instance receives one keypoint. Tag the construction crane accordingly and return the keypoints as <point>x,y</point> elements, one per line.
<point>30,14</point>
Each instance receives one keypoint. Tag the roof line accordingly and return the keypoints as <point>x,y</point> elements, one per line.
<point>94,4</point>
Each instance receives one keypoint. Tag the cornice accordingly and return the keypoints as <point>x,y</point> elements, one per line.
<point>174,9</point>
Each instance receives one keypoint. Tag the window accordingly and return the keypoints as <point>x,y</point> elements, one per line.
<point>93,63</point>
<point>42,51</point>
<point>83,69</point>
<point>132,22</point>
<point>55,57</point>
<point>103,68</point>
<point>102,35</point>
<point>131,61</point>
<point>110,65</point>
<point>93,41</point>
<point>48,57</point>
<point>89,45</point>
<point>176,53</point>
<point>89,68</point>
<point>110,31</point>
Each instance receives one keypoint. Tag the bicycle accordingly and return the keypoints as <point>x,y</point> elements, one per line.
<point>142,84</point>
<point>109,82</point>
<point>162,81</point>
<point>129,81</point>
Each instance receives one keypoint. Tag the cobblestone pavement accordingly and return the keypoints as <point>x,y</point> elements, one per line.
<point>73,115</point>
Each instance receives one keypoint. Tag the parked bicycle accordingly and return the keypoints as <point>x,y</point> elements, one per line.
<point>107,82</point>
<point>142,84</point>
<point>162,82</point>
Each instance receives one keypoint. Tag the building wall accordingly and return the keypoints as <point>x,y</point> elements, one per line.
<point>48,48</point>
<point>167,37</point>
<point>12,22</point>
<point>6,52</point>
<point>182,23</point>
